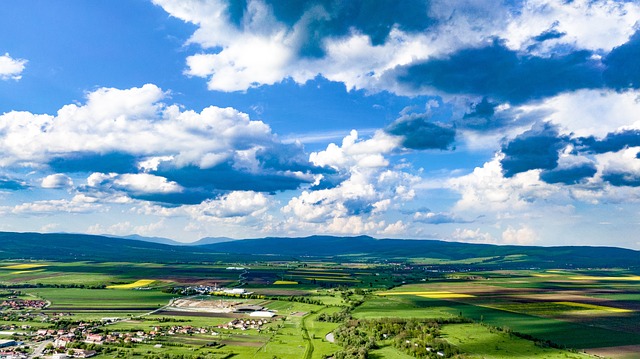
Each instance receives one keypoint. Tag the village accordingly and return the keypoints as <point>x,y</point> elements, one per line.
<point>67,338</point>
<point>83,340</point>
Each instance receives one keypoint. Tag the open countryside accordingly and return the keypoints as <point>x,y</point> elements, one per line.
<point>318,308</point>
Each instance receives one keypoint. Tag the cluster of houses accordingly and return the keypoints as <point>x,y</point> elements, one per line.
<point>244,324</point>
<point>20,304</point>
<point>25,316</point>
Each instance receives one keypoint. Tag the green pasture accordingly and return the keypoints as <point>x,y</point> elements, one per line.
<point>401,307</point>
<point>68,299</point>
<point>618,296</point>
<point>388,352</point>
<point>317,332</point>
<point>572,335</point>
<point>478,341</point>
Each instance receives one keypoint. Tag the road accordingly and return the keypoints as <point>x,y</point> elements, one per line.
<point>38,351</point>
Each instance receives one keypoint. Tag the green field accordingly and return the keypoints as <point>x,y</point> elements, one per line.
<point>490,344</point>
<point>515,313</point>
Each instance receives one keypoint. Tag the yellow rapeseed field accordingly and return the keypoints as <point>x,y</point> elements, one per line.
<point>594,307</point>
<point>27,271</point>
<point>285,282</point>
<point>136,284</point>
<point>432,295</point>
<point>24,266</point>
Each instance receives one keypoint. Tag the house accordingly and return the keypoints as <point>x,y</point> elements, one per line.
<point>94,339</point>
<point>62,342</point>
<point>82,353</point>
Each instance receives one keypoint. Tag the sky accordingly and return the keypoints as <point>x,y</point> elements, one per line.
<point>483,121</point>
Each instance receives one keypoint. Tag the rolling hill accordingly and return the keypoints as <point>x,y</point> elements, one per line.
<point>64,247</point>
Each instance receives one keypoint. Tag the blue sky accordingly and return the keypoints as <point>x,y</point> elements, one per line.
<point>508,122</point>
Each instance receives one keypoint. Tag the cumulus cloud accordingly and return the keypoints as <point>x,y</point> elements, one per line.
<point>10,68</point>
<point>57,180</point>
<point>78,204</point>
<point>471,235</point>
<point>154,150</point>
<point>487,188</point>
<point>591,25</point>
<point>554,45</point>
<point>235,204</point>
<point>371,188</point>
<point>429,217</point>
<point>620,168</point>
<point>523,235</point>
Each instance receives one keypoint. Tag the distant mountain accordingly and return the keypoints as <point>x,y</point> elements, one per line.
<point>64,247</point>
<point>209,240</point>
<point>160,240</point>
<point>171,242</point>
<point>398,249</point>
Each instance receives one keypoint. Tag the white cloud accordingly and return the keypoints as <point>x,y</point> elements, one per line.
<point>524,235</point>
<point>234,204</point>
<point>261,50</point>
<point>592,25</point>
<point>591,112</point>
<point>78,204</point>
<point>146,183</point>
<point>57,180</point>
<point>624,161</point>
<point>357,153</point>
<point>486,189</point>
<point>10,68</point>
<point>134,121</point>
<point>358,204</point>
<point>470,235</point>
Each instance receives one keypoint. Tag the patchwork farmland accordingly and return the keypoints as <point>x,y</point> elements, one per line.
<point>308,310</point>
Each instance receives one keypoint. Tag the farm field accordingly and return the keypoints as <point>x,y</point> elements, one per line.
<point>566,308</point>
<point>490,314</point>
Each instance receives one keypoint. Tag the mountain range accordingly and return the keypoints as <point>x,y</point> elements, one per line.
<point>65,246</point>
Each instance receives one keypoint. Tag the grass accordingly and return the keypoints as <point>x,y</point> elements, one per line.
<point>615,278</point>
<point>101,299</point>
<point>388,352</point>
<point>318,331</point>
<point>328,279</point>
<point>400,307</point>
<point>573,335</point>
<point>478,341</point>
